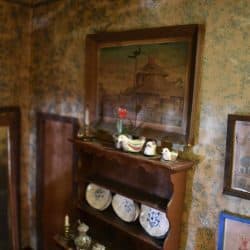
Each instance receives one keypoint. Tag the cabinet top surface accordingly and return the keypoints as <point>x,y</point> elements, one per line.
<point>104,149</point>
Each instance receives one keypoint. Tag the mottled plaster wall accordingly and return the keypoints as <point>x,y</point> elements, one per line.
<point>15,26</point>
<point>14,57</point>
<point>57,83</point>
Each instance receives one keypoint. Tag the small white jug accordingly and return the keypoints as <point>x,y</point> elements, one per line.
<point>150,148</point>
<point>167,155</point>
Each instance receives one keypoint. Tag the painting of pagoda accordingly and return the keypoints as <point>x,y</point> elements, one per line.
<point>150,76</point>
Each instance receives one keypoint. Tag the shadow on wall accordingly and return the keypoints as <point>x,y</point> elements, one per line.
<point>205,239</point>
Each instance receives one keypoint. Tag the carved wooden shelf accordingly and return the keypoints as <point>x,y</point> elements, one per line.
<point>63,244</point>
<point>139,196</point>
<point>109,152</point>
<point>146,180</point>
<point>133,229</point>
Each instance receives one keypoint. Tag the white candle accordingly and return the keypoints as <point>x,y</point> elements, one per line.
<point>87,116</point>
<point>66,221</point>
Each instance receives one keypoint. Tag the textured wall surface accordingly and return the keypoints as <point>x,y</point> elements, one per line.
<point>14,47</point>
<point>58,70</point>
<point>57,86</point>
<point>15,24</point>
<point>57,82</point>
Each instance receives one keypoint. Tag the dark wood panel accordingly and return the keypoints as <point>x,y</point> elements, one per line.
<point>55,164</point>
<point>10,118</point>
<point>64,244</point>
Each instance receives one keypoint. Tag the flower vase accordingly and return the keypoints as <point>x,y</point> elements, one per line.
<point>119,126</point>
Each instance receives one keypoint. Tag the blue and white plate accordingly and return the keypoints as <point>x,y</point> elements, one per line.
<point>98,197</point>
<point>125,208</point>
<point>154,222</point>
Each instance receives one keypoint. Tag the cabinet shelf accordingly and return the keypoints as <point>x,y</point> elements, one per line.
<point>147,180</point>
<point>107,151</point>
<point>139,196</point>
<point>63,244</point>
<point>132,229</point>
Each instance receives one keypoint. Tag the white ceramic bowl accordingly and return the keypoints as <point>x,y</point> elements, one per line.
<point>125,208</point>
<point>154,222</point>
<point>98,197</point>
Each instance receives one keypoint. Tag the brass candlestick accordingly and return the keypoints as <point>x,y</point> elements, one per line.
<point>87,135</point>
<point>67,232</point>
<point>66,228</point>
<point>86,131</point>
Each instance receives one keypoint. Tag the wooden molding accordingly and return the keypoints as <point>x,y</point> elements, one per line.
<point>10,117</point>
<point>30,5</point>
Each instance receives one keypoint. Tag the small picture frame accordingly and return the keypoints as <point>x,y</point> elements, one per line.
<point>237,164</point>
<point>234,232</point>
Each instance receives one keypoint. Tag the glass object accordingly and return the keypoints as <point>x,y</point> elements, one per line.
<point>122,114</point>
<point>119,126</point>
<point>82,241</point>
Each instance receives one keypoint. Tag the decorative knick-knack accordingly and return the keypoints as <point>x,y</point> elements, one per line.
<point>122,114</point>
<point>98,246</point>
<point>66,228</point>
<point>130,145</point>
<point>82,241</point>
<point>150,148</point>
<point>167,155</point>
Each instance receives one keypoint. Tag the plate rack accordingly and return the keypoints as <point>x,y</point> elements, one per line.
<point>148,181</point>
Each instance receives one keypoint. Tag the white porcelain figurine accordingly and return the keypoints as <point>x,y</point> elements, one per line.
<point>150,149</point>
<point>167,155</point>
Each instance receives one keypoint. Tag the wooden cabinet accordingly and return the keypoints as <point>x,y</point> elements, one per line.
<point>146,180</point>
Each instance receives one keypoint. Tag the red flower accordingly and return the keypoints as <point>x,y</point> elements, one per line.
<point>122,113</point>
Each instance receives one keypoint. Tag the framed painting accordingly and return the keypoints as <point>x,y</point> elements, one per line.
<point>152,73</point>
<point>237,164</point>
<point>234,232</point>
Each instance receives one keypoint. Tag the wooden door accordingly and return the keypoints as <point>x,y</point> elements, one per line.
<point>55,166</point>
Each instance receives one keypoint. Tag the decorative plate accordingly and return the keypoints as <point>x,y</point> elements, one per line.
<point>125,208</point>
<point>154,222</point>
<point>98,197</point>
